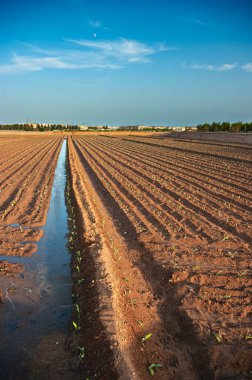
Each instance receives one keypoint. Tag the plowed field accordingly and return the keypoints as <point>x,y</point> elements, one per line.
<point>27,167</point>
<point>164,232</point>
<point>160,234</point>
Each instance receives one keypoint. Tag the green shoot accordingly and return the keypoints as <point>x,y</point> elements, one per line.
<point>148,336</point>
<point>140,323</point>
<point>196,267</point>
<point>226,237</point>
<point>218,337</point>
<point>248,335</point>
<point>81,353</point>
<point>153,367</point>
<point>76,326</point>
<point>78,309</point>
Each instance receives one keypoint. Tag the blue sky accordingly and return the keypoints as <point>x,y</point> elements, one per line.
<point>118,63</point>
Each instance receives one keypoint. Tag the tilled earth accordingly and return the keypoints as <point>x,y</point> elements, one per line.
<point>161,244</point>
<point>166,227</point>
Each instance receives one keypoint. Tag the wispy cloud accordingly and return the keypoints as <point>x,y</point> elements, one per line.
<point>28,63</point>
<point>82,54</point>
<point>95,23</point>
<point>201,67</point>
<point>122,49</point>
<point>226,67</point>
<point>199,22</point>
<point>210,67</point>
<point>247,67</point>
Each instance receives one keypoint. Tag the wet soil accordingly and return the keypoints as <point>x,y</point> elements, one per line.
<point>36,307</point>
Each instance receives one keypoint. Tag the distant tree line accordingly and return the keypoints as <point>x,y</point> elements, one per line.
<point>225,126</point>
<point>39,127</point>
<point>16,127</point>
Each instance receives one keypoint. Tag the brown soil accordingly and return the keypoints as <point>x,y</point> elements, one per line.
<point>27,167</point>
<point>164,236</point>
<point>10,269</point>
<point>224,137</point>
<point>161,241</point>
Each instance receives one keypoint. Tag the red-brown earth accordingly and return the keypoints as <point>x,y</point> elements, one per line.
<point>161,242</point>
<point>164,236</point>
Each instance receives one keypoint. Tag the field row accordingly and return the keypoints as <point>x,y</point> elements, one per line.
<point>27,171</point>
<point>162,197</point>
<point>185,217</point>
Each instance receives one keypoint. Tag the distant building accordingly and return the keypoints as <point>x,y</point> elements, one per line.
<point>191,129</point>
<point>143,127</point>
<point>179,129</point>
<point>129,128</point>
<point>96,128</point>
<point>150,127</point>
<point>83,127</point>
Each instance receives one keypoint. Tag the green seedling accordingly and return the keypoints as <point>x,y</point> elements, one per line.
<point>196,268</point>
<point>77,268</point>
<point>226,296</point>
<point>242,273</point>
<point>153,367</point>
<point>248,336</point>
<point>232,254</point>
<point>140,323</point>
<point>116,251</point>
<point>226,237</point>
<point>218,337</point>
<point>127,291</point>
<point>81,353</point>
<point>77,328</point>
<point>78,309</point>
<point>147,337</point>
<point>80,281</point>
<point>132,302</point>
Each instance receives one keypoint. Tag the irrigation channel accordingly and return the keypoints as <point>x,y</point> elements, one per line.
<point>35,317</point>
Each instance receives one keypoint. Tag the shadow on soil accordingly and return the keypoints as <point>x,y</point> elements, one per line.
<point>158,277</point>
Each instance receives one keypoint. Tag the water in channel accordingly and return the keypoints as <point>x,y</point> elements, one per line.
<point>35,316</point>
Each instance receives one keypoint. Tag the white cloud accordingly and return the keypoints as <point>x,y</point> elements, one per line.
<point>27,63</point>
<point>227,67</point>
<point>247,67</point>
<point>210,67</point>
<point>199,22</point>
<point>96,54</point>
<point>202,67</point>
<point>95,23</point>
<point>122,49</point>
